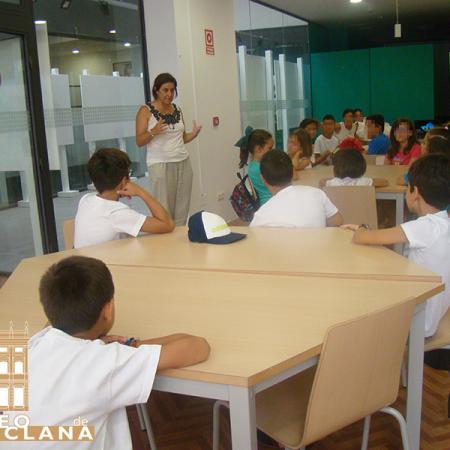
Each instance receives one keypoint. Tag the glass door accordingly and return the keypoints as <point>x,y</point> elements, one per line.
<point>19,216</point>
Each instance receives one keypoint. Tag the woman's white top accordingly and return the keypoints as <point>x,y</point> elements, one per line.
<point>168,146</point>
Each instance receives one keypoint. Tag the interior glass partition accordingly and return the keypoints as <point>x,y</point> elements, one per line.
<point>274,69</point>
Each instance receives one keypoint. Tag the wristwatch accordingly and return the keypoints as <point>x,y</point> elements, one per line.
<point>366,226</point>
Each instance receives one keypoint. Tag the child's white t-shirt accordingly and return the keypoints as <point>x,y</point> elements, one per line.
<point>71,377</point>
<point>429,246</point>
<point>295,207</point>
<point>99,220</point>
<point>344,132</point>
<point>323,144</point>
<point>347,181</point>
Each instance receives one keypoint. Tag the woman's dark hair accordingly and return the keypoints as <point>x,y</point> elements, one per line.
<point>108,167</point>
<point>349,162</point>
<point>74,291</point>
<point>276,168</point>
<point>305,122</point>
<point>438,141</point>
<point>256,137</point>
<point>161,79</point>
<point>304,140</point>
<point>395,145</point>
<point>430,175</point>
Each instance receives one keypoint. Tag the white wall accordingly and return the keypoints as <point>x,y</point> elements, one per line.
<point>208,87</point>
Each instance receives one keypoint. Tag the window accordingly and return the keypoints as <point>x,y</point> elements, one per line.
<point>18,349</point>
<point>4,398</point>
<point>3,368</point>
<point>3,349</point>
<point>19,396</point>
<point>18,367</point>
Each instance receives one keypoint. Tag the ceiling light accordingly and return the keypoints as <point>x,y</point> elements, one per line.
<point>127,44</point>
<point>75,51</point>
<point>40,22</point>
<point>112,31</point>
<point>65,4</point>
<point>355,1</point>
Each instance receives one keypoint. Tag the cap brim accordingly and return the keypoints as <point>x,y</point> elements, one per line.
<point>228,239</point>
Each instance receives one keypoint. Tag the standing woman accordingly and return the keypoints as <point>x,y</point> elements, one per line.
<point>160,126</point>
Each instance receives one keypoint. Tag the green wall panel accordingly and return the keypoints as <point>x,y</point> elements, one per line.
<point>402,81</point>
<point>394,81</point>
<point>340,80</point>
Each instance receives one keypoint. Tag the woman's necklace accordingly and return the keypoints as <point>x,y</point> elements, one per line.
<point>170,118</point>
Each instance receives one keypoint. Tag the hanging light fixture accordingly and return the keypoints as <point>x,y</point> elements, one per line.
<point>397,26</point>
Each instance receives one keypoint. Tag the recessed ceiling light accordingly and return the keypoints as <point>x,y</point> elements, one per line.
<point>40,22</point>
<point>75,51</point>
<point>112,31</point>
<point>355,1</point>
<point>65,4</point>
<point>127,44</point>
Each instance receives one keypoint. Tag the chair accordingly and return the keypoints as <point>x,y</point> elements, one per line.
<point>357,204</point>
<point>374,160</point>
<point>357,374</point>
<point>440,341</point>
<point>68,233</point>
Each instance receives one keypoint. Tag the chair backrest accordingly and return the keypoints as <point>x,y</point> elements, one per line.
<point>68,233</point>
<point>358,371</point>
<point>357,204</point>
<point>374,160</point>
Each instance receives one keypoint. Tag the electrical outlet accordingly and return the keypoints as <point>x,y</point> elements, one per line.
<point>220,196</point>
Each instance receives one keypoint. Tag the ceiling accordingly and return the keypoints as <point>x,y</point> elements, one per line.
<point>371,22</point>
<point>345,13</point>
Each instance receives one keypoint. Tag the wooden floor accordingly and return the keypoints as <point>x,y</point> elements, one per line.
<point>185,423</point>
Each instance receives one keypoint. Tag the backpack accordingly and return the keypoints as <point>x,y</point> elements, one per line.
<point>243,199</point>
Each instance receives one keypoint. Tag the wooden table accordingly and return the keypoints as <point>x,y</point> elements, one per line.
<point>312,252</point>
<point>263,327</point>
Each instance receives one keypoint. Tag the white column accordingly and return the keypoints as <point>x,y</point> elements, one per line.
<point>242,53</point>
<point>66,191</point>
<point>270,92</point>
<point>301,88</point>
<point>284,119</point>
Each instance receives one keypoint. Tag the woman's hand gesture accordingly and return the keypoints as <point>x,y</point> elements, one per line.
<point>196,128</point>
<point>159,128</point>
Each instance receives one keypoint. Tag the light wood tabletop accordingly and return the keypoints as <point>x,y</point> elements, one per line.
<point>312,252</point>
<point>257,325</point>
<point>311,177</point>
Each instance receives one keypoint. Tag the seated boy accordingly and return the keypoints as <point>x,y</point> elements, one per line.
<point>326,143</point>
<point>101,217</point>
<point>375,131</point>
<point>77,370</point>
<point>292,206</point>
<point>428,196</point>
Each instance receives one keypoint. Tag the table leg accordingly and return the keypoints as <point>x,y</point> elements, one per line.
<point>243,418</point>
<point>415,376</point>
<point>399,217</point>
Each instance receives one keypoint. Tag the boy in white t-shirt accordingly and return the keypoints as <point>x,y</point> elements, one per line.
<point>101,217</point>
<point>76,370</point>
<point>327,142</point>
<point>428,196</point>
<point>292,206</point>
